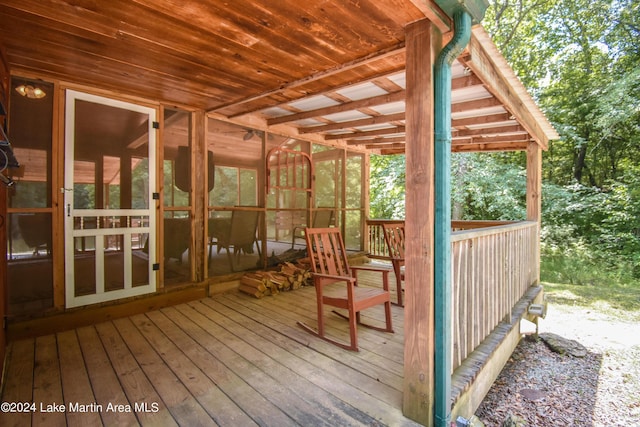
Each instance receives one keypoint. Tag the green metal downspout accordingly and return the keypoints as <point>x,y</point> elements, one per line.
<point>442,231</point>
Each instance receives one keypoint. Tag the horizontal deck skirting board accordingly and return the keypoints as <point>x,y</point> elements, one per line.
<point>473,378</point>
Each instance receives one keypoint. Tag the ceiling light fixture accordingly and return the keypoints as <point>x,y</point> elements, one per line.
<point>30,91</point>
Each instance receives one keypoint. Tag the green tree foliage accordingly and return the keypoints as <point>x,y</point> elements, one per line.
<point>581,60</point>
<point>387,187</point>
<point>477,194</point>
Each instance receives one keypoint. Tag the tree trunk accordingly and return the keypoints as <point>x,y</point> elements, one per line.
<point>580,163</point>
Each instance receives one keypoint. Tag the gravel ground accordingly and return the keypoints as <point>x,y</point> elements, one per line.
<point>544,388</point>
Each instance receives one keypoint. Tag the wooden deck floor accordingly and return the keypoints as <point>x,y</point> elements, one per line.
<point>228,360</point>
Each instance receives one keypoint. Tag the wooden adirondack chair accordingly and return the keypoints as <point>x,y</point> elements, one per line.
<point>336,285</point>
<point>394,237</point>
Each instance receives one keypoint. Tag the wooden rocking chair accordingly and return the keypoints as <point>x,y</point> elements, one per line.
<point>394,237</point>
<point>336,285</point>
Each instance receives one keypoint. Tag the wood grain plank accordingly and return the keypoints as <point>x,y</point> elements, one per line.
<point>294,308</point>
<point>352,367</point>
<point>220,407</point>
<point>382,349</point>
<point>76,387</point>
<point>423,41</point>
<point>106,386</point>
<point>252,402</point>
<point>94,315</point>
<point>310,383</point>
<point>135,384</point>
<point>47,388</point>
<point>182,405</point>
<point>277,383</point>
<point>18,385</point>
<point>347,383</point>
<point>275,394</point>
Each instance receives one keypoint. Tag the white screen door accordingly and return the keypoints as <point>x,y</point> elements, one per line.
<point>109,207</point>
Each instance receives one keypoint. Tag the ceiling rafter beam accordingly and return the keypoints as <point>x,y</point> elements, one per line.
<point>458,83</point>
<point>369,78</point>
<point>511,129</point>
<point>469,148</point>
<point>399,49</point>
<point>434,14</point>
<point>353,123</point>
<point>394,146</point>
<point>481,120</point>
<point>486,147</point>
<point>376,140</point>
<point>333,89</point>
<point>392,152</point>
<point>377,132</point>
<point>465,82</point>
<point>491,139</point>
<point>475,104</point>
<point>348,106</point>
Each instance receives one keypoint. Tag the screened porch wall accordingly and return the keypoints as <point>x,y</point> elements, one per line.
<point>236,180</point>
<point>176,201</point>
<point>243,170</point>
<point>29,213</point>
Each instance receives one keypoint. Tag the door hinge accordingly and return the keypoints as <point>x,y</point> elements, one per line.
<point>156,267</point>
<point>156,125</point>
<point>156,196</point>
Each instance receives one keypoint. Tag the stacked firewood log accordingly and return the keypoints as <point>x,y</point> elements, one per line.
<point>287,277</point>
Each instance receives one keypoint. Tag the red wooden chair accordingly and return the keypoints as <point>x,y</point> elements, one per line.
<point>394,237</point>
<point>336,285</point>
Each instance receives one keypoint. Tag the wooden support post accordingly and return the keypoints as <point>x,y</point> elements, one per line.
<point>534,182</point>
<point>199,195</point>
<point>534,194</point>
<point>422,42</point>
<point>3,271</point>
<point>366,200</point>
<point>57,199</point>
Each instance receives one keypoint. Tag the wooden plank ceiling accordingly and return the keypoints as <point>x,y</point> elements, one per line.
<point>332,70</point>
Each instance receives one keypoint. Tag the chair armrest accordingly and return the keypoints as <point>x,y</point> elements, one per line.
<point>371,268</point>
<point>384,270</point>
<point>334,277</point>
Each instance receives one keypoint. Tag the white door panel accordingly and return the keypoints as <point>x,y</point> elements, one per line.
<point>109,206</point>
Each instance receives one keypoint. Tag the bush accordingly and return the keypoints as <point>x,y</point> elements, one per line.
<point>591,235</point>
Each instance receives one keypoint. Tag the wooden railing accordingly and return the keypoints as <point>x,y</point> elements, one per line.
<point>493,264</point>
<point>376,246</point>
<point>492,268</point>
<point>471,225</point>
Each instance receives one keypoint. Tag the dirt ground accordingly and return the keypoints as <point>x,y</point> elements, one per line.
<point>544,388</point>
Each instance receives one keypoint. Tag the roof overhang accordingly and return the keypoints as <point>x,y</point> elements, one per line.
<point>273,65</point>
